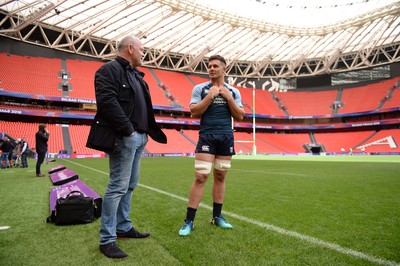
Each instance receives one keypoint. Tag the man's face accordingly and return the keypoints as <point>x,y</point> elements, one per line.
<point>216,69</point>
<point>137,52</point>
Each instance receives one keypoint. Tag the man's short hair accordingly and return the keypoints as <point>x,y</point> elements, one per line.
<point>217,57</point>
<point>124,42</point>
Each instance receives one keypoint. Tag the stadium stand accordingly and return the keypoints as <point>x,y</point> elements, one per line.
<point>364,98</point>
<point>82,77</point>
<point>243,142</point>
<point>308,103</point>
<point>392,98</point>
<point>26,74</point>
<point>157,93</point>
<point>383,141</point>
<point>28,130</point>
<point>384,94</point>
<point>191,135</point>
<point>177,84</point>
<point>177,143</point>
<point>335,142</point>
<point>264,146</point>
<point>197,79</point>
<point>265,103</point>
<point>282,143</point>
<point>79,134</point>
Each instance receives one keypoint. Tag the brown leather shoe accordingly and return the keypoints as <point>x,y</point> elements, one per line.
<point>40,175</point>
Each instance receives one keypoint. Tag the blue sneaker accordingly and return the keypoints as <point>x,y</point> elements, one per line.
<point>187,227</point>
<point>221,222</point>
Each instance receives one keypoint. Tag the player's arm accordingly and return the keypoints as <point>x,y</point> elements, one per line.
<point>197,109</point>
<point>197,105</point>
<point>236,111</point>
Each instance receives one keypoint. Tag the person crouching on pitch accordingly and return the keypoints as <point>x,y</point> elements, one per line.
<point>215,102</point>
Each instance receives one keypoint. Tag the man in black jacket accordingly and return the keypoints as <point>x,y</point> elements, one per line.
<point>6,147</point>
<point>42,137</point>
<point>122,123</point>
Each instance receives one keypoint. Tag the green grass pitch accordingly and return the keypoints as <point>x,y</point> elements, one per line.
<point>286,210</point>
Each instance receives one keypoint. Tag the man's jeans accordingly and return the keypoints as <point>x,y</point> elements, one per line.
<point>40,160</point>
<point>24,160</point>
<point>124,175</point>
<point>4,157</point>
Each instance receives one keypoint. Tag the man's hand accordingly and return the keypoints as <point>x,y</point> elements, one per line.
<point>224,92</point>
<point>214,91</point>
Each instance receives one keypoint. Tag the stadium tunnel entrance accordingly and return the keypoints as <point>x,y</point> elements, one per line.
<point>314,148</point>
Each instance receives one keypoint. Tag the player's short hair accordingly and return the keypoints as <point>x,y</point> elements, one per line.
<point>217,57</point>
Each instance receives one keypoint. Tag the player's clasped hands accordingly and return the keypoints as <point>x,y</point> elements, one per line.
<point>224,92</point>
<point>215,90</point>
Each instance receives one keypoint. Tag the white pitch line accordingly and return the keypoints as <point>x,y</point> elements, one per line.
<point>267,172</point>
<point>270,227</point>
<point>4,227</point>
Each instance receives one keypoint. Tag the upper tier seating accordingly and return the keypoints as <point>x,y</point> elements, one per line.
<point>365,98</point>
<point>177,84</point>
<point>197,79</point>
<point>264,102</point>
<point>33,75</point>
<point>157,93</point>
<point>394,100</point>
<point>308,103</point>
<point>82,78</point>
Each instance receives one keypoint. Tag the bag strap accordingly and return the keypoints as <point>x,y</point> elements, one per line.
<point>70,195</point>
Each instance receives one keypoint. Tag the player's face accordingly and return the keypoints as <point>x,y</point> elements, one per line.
<point>216,69</point>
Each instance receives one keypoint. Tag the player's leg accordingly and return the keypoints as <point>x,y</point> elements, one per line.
<point>204,158</point>
<point>203,166</point>
<point>221,166</point>
<point>222,163</point>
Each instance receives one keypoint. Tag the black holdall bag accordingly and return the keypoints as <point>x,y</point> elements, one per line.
<point>75,208</point>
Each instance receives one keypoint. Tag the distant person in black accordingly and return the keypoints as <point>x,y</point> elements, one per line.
<point>42,136</point>
<point>6,147</point>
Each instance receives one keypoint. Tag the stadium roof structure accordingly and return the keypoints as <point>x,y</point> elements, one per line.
<point>271,38</point>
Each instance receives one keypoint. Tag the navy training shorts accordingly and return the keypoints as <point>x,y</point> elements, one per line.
<point>216,144</point>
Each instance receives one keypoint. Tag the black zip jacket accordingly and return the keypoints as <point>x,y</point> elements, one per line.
<point>115,100</point>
